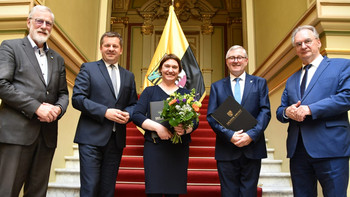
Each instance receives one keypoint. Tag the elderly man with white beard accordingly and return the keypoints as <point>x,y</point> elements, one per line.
<point>34,95</point>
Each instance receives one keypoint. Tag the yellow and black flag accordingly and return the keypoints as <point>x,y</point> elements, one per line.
<point>173,41</point>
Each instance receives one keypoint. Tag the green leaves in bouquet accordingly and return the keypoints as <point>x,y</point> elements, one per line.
<point>181,109</point>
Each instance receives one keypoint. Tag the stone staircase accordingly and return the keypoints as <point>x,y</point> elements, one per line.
<point>273,182</point>
<point>67,179</point>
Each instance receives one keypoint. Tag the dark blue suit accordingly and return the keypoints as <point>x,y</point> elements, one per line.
<point>323,137</point>
<point>93,94</point>
<point>255,100</point>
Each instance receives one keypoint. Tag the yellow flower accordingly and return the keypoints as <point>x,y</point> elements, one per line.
<point>189,100</point>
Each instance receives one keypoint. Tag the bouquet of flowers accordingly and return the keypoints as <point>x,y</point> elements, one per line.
<point>182,109</point>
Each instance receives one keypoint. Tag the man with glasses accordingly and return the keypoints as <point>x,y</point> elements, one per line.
<point>239,153</point>
<point>34,95</point>
<point>315,103</point>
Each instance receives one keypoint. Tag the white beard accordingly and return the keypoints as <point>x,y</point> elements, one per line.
<point>39,39</point>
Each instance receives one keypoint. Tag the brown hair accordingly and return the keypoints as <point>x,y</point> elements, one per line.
<point>168,57</point>
<point>112,34</point>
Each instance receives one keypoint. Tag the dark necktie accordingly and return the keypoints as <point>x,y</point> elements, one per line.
<point>303,81</point>
<point>114,79</point>
<point>237,92</point>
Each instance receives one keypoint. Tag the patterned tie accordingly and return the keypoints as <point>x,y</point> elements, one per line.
<point>303,81</point>
<point>114,79</point>
<point>237,92</point>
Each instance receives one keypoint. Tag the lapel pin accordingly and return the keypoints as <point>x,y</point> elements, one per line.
<point>51,57</point>
<point>251,81</point>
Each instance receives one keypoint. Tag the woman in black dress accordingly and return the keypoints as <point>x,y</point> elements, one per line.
<point>165,163</point>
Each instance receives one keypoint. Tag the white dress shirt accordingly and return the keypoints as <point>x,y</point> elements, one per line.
<point>40,54</point>
<point>117,72</point>
<point>241,82</point>
<point>311,70</point>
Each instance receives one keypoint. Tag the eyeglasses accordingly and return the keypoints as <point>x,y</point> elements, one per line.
<point>40,22</point>
<point>238,58</point>
<point>307,42</point>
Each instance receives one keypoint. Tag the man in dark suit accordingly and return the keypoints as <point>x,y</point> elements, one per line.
<point>105,93</point>
<point>239,153</point>
<point>315,103</point>
<point>34,95</point>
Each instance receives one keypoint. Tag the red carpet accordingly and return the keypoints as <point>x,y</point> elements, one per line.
<point>202,180</point>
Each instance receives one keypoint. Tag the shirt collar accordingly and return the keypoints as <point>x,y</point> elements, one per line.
<point>34,46</point>
<point>242,76</point>
<point>317,61</point>
<point>107,65</point>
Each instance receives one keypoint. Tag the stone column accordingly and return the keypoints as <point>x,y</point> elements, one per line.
<point>206,39</point>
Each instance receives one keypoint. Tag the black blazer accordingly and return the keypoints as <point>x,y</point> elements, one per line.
<point>93,94</point>
<point>23,90</point>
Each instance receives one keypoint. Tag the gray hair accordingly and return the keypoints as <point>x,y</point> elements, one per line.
<point>41,8</point>
<point>235,47</point>
<point>307,27</point>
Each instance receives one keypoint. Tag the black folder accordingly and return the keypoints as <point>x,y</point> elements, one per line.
<point>233,116</point>
<point>156,108</point>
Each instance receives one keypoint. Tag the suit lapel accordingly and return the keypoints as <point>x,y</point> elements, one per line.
<point>102,66</point>
<point>317,75</point>
<point>249,81</point>
<point>31,56</point>
<point>227,87</point>
<point>122,80</point>
<point>297,83</point>
<point>49,57</point>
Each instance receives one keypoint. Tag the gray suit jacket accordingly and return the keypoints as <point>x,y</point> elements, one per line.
<point>23,89</point>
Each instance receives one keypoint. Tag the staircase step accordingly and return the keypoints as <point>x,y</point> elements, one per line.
<point>63,190</point>
<point>270,153</point>
<point>203,132</point>
<point>273,191</point>
<point>194,177</point>
<point>67,176</point>
<point>268,165</point>
<point>75,150</point>
<point>200,141</point>
<point>138,190</point>
<point>195,151</point>
<point>204,124</point>
<point>279,179</point>
<point>202,151</point>
<point>72,162</point>
<point>134,140</point>
<point>133,132</point>
<point>203,117</point>
<point>194,162</point>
